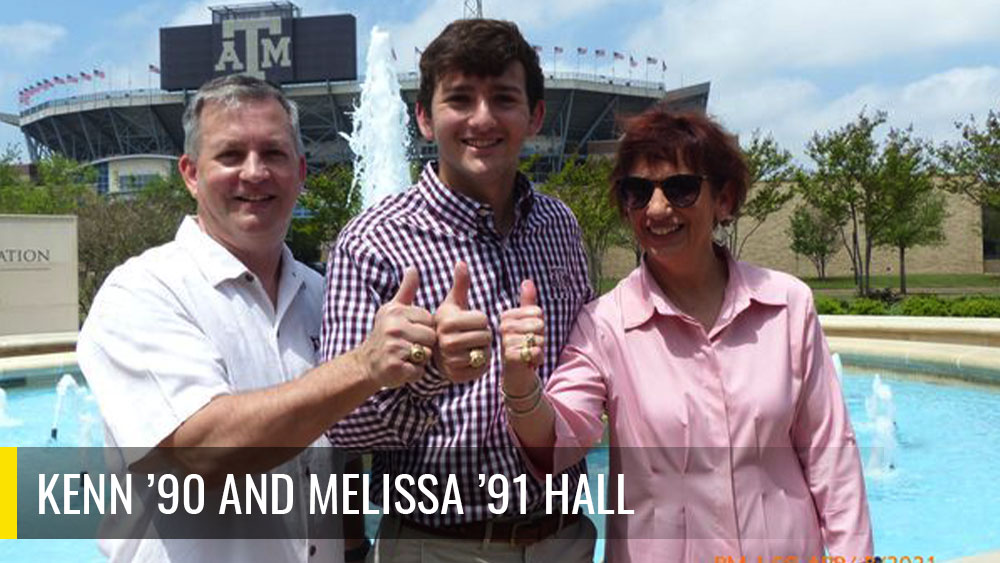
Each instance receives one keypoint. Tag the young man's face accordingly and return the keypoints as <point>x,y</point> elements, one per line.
<point>247,176</point>
<point>480,125</point>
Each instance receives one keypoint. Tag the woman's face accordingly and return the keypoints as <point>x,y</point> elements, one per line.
<point>668,233</point>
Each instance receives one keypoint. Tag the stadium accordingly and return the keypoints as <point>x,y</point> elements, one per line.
<point>131,135</point>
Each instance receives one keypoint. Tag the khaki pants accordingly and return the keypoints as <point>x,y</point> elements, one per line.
<point>397,543</point>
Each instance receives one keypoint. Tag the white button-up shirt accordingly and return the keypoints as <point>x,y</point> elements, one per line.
<point>178,326</point>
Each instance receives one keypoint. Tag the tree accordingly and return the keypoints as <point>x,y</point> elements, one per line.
<point>845,187</point>
<point>331,199</point>
<point>582,184</point>
<point>770,167</point>
<point>813,234</point>
<point>62,186</point>
<point>972,165</point>
<point>114,228</point>
<point>914,211</point>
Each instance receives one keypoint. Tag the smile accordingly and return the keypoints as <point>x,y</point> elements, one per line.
<point>481,143</point>
<point>254,198</point>
<point>665,230</point>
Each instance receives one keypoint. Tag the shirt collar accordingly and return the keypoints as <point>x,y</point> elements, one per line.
<point>217,264</point>
<point>465,213</point>
<point>641,295</point>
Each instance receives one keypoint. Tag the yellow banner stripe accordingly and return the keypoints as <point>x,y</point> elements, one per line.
<point>8,493</point>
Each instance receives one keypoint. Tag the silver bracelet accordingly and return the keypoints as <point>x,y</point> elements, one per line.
<point>508,397</point>
<point>519,413</point>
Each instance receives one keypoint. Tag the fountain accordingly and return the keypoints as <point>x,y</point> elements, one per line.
<point>882,418</point>
<point>66,383</point>
<point>380,140</point>
<point>6,421</point>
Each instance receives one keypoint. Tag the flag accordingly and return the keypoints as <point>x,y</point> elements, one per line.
<point>663,66</point>
<point>558,50</point>
<point>393,51</point>
<point>651,61</point>
<point>599,52</point>
<point>71,79</point>
<point>619,56</point>
<point>99,73</point>
<point>632,62</point>
<point>581,50</point>
<point>58,80</point>
<point>85,76</point>
<point>154,68</point>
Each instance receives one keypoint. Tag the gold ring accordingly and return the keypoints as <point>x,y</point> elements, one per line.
<point>530,341</point>
<point>477,358</point>
<point>417,355</point>
<point>526,354</point>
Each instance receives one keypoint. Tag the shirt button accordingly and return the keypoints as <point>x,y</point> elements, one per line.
<point>431,420</point>
<point>483,212</point>
<point>312,550</point>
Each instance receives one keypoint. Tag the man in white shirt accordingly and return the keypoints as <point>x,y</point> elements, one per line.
<point>202,350</point>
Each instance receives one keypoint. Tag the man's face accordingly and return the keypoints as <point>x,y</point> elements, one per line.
<point>480,125</point>
<point>247,176</point>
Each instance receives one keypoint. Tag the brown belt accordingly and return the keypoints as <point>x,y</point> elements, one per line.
<point>515,532</point>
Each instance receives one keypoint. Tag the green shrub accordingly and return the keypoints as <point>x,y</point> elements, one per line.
<point>978,306</point>
<point>864,306</point>
<point>923,306</point>
<point>829,305</point>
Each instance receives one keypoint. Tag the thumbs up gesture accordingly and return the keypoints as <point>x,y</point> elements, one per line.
<point>400,340</point>
<point>463,336</point>
<point>522,341</point>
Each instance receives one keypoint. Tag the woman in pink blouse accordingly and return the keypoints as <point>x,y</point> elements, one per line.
<point>726,416</point>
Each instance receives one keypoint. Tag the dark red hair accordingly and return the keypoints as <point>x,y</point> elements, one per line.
<point>692,139</point>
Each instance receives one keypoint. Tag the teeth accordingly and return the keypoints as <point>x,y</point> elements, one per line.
<point>481,143</point>
<point>664,230</point>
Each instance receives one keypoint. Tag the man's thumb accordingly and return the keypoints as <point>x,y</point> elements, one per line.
<point>408,287</point>
<point>459,294</point>
<point>529,293</point>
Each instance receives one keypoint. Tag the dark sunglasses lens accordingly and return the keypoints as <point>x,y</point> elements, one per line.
<point>682,190</point>
<point>636,191</point>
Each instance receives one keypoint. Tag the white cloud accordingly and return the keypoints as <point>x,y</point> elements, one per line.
<point>748,37</point>
<point>794,109</point>
<point>29,39</point>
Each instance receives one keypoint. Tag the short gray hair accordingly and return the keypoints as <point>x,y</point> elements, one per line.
<point>232,91</point>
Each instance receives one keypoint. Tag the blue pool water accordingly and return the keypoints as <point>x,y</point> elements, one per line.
<point>941,500</point>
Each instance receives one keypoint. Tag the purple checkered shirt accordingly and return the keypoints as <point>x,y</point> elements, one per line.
<point>433,426</point>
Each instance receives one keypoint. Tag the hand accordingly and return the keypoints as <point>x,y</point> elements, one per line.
<point>399,326</point>
<point>522,341</point>
<point>463,336</point>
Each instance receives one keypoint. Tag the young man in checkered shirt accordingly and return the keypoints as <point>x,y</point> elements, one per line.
<point>474,229</point>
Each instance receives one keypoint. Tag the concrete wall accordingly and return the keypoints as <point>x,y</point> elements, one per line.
<point>123,167</point>
<point>38,274</point>
<point>962,251</point>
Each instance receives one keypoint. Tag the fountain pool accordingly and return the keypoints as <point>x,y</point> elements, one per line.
<point>941,497</point>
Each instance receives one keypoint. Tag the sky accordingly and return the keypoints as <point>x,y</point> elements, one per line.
<point>785,67</point>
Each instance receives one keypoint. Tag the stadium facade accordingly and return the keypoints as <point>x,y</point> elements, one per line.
<point>131,135</point>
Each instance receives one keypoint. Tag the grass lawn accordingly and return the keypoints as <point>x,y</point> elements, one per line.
<point>913,281</point>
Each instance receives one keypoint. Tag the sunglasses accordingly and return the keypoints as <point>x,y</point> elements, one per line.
<point>682,190</point>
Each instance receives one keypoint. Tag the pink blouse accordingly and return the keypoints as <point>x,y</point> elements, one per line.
<point>732,443</point>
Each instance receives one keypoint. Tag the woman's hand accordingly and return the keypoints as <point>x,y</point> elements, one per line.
<point>522,343</point>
